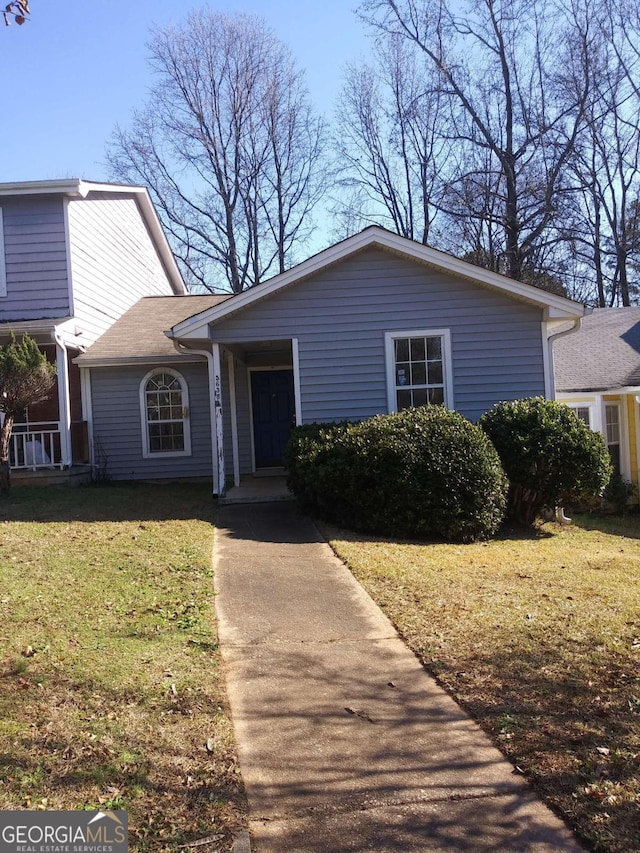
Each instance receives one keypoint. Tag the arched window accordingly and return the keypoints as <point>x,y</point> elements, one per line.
<point>164,405</point>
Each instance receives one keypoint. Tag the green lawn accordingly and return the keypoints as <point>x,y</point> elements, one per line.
<point>110,689</point>
<point>538,636</point>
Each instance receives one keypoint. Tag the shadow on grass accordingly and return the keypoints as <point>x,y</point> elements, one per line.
<point>109,502</point>
<point>628,525</point>
<point>155,766</point>
<point>569,723</point>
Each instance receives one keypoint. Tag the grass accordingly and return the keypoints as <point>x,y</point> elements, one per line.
<point>537,634</point>
<point>110,691</point>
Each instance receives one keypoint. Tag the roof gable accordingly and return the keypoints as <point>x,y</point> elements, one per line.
<point>78,188</point>
<point>556,307</point>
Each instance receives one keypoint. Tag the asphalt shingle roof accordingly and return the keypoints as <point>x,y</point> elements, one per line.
<point>602,355</point>
<point>140,331</point>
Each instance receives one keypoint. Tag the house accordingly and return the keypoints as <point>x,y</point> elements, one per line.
<point>597,373</point>
<point>211,385</point>
<point>74,256</point>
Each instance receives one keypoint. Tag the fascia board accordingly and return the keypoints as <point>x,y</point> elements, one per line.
<point>555,306</point>
<point>132,360</point>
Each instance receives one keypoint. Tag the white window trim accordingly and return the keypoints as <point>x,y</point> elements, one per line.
<point>590,406</point>
<point>447,367</point>
<point>3,260</point>
<point>165,454</point>
<point>625,465</point>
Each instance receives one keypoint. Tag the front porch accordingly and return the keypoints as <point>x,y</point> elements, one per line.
<point>37,452</point>
<point>257,488</point>
<point>50,439</point>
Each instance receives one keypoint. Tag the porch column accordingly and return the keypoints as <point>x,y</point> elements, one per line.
<point>218,462</point>
<point>64,402</point>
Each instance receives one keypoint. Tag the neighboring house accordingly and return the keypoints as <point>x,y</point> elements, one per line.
<point>74,256</point>
<point>597,373</point>
<point>207,385</point>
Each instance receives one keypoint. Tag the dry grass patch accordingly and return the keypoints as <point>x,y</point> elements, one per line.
<point>109,669</point>
<point>538,636</point>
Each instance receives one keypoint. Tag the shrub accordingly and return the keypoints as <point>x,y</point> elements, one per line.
<point>420,472</point>
<point>550,456</point>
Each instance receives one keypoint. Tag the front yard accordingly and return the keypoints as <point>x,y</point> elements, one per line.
<point>109,669</point>
<point>538,636</point>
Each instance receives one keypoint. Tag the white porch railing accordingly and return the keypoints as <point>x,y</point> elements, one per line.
<point>34,446</point>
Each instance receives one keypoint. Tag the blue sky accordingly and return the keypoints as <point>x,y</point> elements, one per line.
<point>79,68</point>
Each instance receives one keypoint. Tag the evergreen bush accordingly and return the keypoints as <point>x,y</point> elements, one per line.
<point>420,472</point>
<point>549,455</point>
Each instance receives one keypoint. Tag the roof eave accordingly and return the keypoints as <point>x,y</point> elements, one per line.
<point>555,307</point>
<point>86,360</point>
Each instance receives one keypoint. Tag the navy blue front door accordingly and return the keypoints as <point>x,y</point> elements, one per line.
<point>273,414</point>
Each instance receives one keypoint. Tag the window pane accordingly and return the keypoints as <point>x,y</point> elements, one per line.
<point>614,453</point>
<point>417,349</point>
<point>402,349</point>
<point>403,375</point>
<point>434,348</point>
<point>435,373</point>
<point>419,374</point>
<point>420,397</point>
<point>436,396</point>
<point>582,413</point>
<point>404,400</point>
<point>612,415</point>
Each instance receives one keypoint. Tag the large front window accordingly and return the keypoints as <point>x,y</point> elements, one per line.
<point>418,365</point>
<point>165,413</point>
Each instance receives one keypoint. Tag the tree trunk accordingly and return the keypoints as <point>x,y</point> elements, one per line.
<point>5,470</point>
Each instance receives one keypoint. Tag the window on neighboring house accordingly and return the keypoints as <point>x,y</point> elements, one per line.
<point>3,262</point>
<point>418,369</point>
<point>164,406</point>
<point>612,434</point>
<point>583,413</point>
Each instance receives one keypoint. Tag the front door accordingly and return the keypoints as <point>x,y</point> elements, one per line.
<point>273,414</point>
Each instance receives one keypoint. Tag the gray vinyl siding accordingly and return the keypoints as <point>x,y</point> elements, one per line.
<point>117,426</point>
<point>113,261</point>
<point>35,259</point>
<point>340,317</point>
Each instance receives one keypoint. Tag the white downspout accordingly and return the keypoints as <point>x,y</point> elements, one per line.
<point>215,414</point>
<point>64,399</point>
<point>576,323</point>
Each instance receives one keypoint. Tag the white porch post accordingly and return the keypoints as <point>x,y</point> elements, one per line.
<point>64,402</point>
<point>234,418</point>
<point>218,462</point>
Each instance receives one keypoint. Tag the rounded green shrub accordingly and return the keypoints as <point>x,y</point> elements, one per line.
<point>549,455</point>
<point>421,472</point>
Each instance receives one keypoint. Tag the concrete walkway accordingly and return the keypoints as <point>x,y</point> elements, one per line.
<point>345,742</point>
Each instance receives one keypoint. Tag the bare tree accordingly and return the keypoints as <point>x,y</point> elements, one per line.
<point>497,63</point>
<point>390,142</point>
<point>606,163</point>
<point>229,147</point>
<point>16,10</point>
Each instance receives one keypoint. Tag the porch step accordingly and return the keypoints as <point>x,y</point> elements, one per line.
<point>257,489</point>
